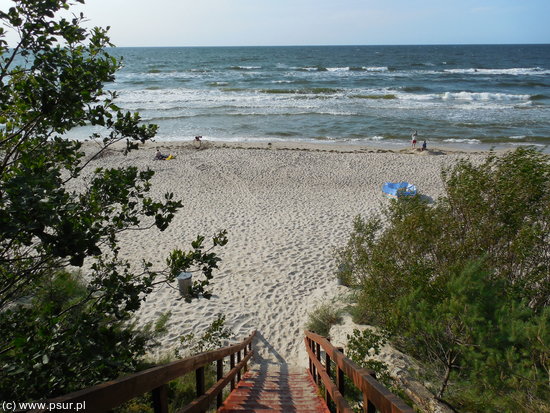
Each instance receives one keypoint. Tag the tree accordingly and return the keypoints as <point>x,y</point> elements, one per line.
<point>464,284</point>
<point>59,334</point>
<point>487,345</point>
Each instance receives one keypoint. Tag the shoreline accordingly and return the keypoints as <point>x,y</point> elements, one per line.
<point>334,147</point>
<point>378,146</point>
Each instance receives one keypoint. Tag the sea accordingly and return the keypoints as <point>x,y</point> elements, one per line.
<point>474,96</point>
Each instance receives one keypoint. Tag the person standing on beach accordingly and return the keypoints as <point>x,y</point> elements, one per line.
<point>424,145</point>
<point>413,138</point>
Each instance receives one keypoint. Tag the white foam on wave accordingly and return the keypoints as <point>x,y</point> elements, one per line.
<point>376,69</point>
<point>483,96</point>
<point>364,68</point>
<point>325,112</point>
<point>457,140</point>
<point>247,67</point>
<point>284,111</point>
<point>410,96</point>
<point>163,95</point>
<point>519,71</point>
<point>375,138</point>
<point>348,69</point>
<point>540,145</point>
<point>122,77</point>
<point>465,96</point>
<point>191,101</point>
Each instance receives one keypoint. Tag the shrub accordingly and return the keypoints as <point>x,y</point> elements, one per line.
<point>464,284</point>
<point>213,338</point>
<point>323,318</point>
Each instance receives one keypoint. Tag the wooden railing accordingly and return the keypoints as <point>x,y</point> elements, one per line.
<point>106,396</point>
<point>323,356</point>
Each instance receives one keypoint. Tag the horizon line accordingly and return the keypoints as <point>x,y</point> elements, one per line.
<point>348,45</point>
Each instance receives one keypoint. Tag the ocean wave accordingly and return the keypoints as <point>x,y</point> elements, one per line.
<point>356,138</point>
<point>519,83</point>
<point>520,71</point>
<point>338,69</point>
<point>525,105</point>
<point>476,125</point>
<point>161,118</point>
<point>370,69</point>
<point>247,114</point>
<point>539,145</point>
<point>310,69</point>
<point>300,96</point>
<point>483,96</point>
<point>161,109</point>
<point>244,67</point>
<point>376,69</point>
<point>344,69</point>
<point>538,97</point>
<point>414,89</point>
<point>138,82</point>
<point>152,76</point>
<point>458,140</point>
<point>421,97</point>
<point>234,89</point>
<point>296,113</point>
<point>306,91</point>
<point>375,97</point>
<point>284,134</point>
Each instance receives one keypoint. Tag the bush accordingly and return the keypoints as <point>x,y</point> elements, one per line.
<point>71,336</point>
<point>464,284</point>
<point>323,318</point>
<point>362,347</point>
<point>213,338</point>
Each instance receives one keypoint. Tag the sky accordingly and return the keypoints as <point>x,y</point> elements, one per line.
<point>318,22</point>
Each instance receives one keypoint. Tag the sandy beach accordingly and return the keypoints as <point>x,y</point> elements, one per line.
<point>286,208</point>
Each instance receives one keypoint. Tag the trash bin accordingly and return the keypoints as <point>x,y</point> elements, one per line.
<point>184,283</point>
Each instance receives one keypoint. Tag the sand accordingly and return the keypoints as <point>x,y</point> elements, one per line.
<point>286,208</point>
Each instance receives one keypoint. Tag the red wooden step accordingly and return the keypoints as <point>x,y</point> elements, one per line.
<point>275,390</point>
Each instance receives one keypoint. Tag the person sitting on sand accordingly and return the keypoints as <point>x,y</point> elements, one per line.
<point>198,142</point>
<point>160,157</point>
<point>424,145</point>
<point>413,138</point>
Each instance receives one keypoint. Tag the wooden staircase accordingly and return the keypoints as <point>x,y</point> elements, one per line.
<point>275,389</point>
<point>267,388</point>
